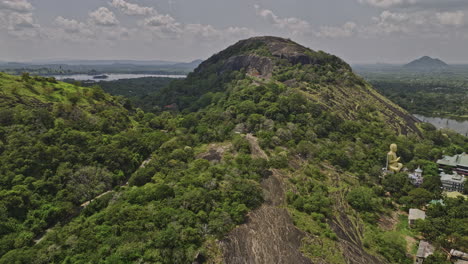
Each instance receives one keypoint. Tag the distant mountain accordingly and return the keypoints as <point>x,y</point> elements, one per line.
<point>426,62</point>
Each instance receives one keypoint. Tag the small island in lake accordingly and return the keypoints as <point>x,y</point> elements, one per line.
<point>101,77</point>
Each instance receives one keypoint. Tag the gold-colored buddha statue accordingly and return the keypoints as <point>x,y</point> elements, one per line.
<point>393,163</point>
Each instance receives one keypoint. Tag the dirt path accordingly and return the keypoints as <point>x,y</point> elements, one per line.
<point>410,243</point>
<point>269,236</point>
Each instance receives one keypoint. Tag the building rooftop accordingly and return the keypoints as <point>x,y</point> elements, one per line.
<point>454,161</point>
<point>425,249</point>
<point>452,177</point>
<point>416,214</point>
<point>459,254</point>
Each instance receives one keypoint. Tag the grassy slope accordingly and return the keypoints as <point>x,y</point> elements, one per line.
<point>39,90</point>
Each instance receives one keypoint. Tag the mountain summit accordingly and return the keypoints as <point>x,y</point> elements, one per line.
<point>426,62</point>
<point>260,56</point>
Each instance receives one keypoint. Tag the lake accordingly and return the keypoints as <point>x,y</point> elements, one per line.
<point>113,76</point>
<point>439,122</point>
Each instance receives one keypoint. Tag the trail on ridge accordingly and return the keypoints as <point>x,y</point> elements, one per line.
<point>269,235</point>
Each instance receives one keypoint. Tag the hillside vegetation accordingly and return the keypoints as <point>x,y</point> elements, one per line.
<point>265,139</point>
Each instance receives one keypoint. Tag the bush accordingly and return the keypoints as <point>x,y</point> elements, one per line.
<point>364,199</point>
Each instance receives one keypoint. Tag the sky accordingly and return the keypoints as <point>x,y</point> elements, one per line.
<point>359,31</point>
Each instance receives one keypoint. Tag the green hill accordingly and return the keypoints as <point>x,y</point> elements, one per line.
<point>323,79</point>
<point>268,151</point>
<point>60,145</point>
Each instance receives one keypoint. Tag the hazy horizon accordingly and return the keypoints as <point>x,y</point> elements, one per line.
<point>162,62</point>
<point>359,31</point>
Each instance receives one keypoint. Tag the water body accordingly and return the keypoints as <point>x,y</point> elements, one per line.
<point>439,122</point>
<point>113,76</point>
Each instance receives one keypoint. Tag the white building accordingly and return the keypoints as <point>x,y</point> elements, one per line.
<point>452,182</point>
<point>415,214</point>
<point>416,177</point>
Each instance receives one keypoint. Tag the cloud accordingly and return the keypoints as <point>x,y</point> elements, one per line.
<point>451,18</point>
<point>72,26</point>
<point>423,24</point>
<point>297,26</point>
<point>384,3</point>
<point>20,21</point>
<point>418,4</point>
<point>294,25</point>
<point>17,19</point>
<point>20,6</point>
<point>166,25</point>
<point>208,32</point>
<point>132,9</point>
<point>103,17</point>
<point>347,30</point>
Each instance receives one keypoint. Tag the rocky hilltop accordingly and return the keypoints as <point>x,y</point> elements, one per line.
<point>324,79</point>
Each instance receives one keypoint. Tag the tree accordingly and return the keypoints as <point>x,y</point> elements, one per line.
<point>87,182</point>
<point>364,199</point>
<point>419,197</point>
<point>397,184</point>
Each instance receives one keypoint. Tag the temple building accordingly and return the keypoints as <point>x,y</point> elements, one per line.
<point>457,163</point>
<point>416,177</point>
<point>452,182</point>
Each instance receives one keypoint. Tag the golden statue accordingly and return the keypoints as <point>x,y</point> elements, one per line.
<point>392,159</point>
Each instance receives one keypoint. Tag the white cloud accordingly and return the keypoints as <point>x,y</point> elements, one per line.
<point>20,6</point>
<point>347,30</point>
<point>165,25</point>
<point>451,18</point>
<point>418,4</point>
<point>297,26</point>
<point>423,24</point>
<point>294,25</point>
<point>73,26</point>
<point>17,19</point>
<point>103,17</point>
<point>387,3</point>
<point>132,9</point>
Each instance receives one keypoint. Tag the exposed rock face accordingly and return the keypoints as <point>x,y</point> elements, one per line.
<point>269,236</point>
<point>254,65</point>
